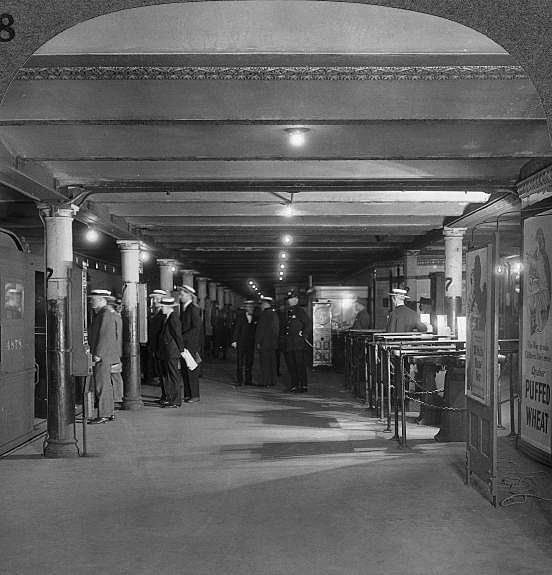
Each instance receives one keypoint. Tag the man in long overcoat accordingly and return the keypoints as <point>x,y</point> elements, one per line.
<point>243,340</point>
<point>105,353</point>
<point>170,345</point>
<point>266,341</point>
<point>190,319</point>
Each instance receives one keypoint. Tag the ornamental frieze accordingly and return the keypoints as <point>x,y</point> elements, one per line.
<point>325,73</point>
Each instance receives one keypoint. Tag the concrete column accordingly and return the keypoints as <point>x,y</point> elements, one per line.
<point>220,295</point>
<point>187,277</point>
<point>411,273</point>
<point>201,291</point>
<point>453,274</point>
<point>130,271</point>
<point>212,291</point>
<point>61,398</point>
<point>167,269</point>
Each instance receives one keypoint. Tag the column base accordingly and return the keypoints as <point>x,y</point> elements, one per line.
<point>55,449</point>
<point>132,404</point>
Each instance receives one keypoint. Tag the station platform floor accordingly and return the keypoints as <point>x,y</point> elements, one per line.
<point>260,481</point>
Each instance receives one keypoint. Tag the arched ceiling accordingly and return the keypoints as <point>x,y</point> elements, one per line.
<point>172,118</point>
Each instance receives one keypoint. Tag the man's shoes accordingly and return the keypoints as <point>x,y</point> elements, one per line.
<point>112,417</point>
<point>192,400</point>
<point>170,405</point>
<point>163,402</point>
<point>292,389</point>
<point>98,420</point>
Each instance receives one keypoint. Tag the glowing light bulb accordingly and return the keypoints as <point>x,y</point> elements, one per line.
<point>92,235</point>
<point>283,255</point>
<point>287,239</point>
<point>145,256</point>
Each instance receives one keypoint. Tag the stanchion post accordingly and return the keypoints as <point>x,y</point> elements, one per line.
<point>403,412</point>
<point>512,399</point>
<point>366,387</point>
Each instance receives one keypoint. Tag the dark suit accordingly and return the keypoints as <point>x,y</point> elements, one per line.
<point>244,336</point>
<point>362,320</point>
<point>116,371</point>
<point>266,343</point>
<point>190,319</point>
<point>169,348</point>
<point>102,338</point>
<point>403,319</point>
<point>296,328</point>
<point>155,321</point>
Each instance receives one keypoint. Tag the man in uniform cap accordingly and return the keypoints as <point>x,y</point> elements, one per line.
<point>105,353</point>
<point>266,341</point>
<point>402,319</point>
<point>295,329</point>
<point>190,319</point>
<point>243,340</point>
<point>169,347</point>
<point>155,321</point>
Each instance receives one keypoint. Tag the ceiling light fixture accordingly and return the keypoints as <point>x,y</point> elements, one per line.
<point>297,136</point>
<point>145,256</point>
<point>287,239</point>
<point>282,266</point>
<point>92,235</point>
<point>283,255</point>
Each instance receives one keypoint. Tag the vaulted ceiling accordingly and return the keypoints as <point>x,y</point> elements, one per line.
<point>172,120</point>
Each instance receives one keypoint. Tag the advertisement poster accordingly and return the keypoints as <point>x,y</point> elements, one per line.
<point>537,334</point>
<point>479,328</point>
<point>322,333</point>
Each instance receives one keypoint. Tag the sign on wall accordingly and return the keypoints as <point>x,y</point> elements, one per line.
<point>322,333</point>
<point>536,334</point>
<point>479,270</point>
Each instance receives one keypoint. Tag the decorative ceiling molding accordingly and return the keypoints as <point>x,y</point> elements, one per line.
<point>302,73</point>
<point>535,188</point>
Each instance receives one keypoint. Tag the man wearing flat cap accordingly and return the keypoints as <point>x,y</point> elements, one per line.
<point>243,340</point>
<point>102,338</point>
<point>190,319</point>
<point>295,330</point>
<point>402,319</point>
<point>266,341</point>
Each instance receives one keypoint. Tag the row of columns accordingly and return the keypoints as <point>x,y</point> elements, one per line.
<point>59,260</point>
<point>58,221</point>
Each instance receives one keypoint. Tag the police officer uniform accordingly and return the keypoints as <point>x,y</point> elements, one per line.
<point>403,319</point>
<point>295,329</point>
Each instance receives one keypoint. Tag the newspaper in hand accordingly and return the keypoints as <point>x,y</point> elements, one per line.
<point>191,363</point>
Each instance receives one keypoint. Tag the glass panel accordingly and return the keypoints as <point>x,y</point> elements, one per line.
<point>13,300</point>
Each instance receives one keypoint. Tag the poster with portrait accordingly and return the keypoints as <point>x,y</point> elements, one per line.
<point>322,333</point>
<point>479,307</point>
<point>536,334</point>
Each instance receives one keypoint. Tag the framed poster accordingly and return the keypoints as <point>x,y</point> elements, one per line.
<point>322,333</point>
<point>536,345</point>
<point>480,333</point>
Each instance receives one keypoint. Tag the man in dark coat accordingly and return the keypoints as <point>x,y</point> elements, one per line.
<point>402,319</point>
<point>169,347</point>
<point>105,352</point>
<point>190,318</point>
<point>296,328</point>
<point>116,306</point>
<point>243,340</point>
<point>155,321</point>
<point>362,319</point>
<point>266,342</point>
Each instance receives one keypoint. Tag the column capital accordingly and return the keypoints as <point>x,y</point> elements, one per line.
<point>56,210</point>
<point>454,232</point>
<point>167,262</point>
<point>129,244</point>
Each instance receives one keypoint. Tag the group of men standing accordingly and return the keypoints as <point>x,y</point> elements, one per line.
<point>174,330</point>
<point>269,334</point>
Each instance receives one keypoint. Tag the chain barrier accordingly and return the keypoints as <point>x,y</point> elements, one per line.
<point>434,406</point>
